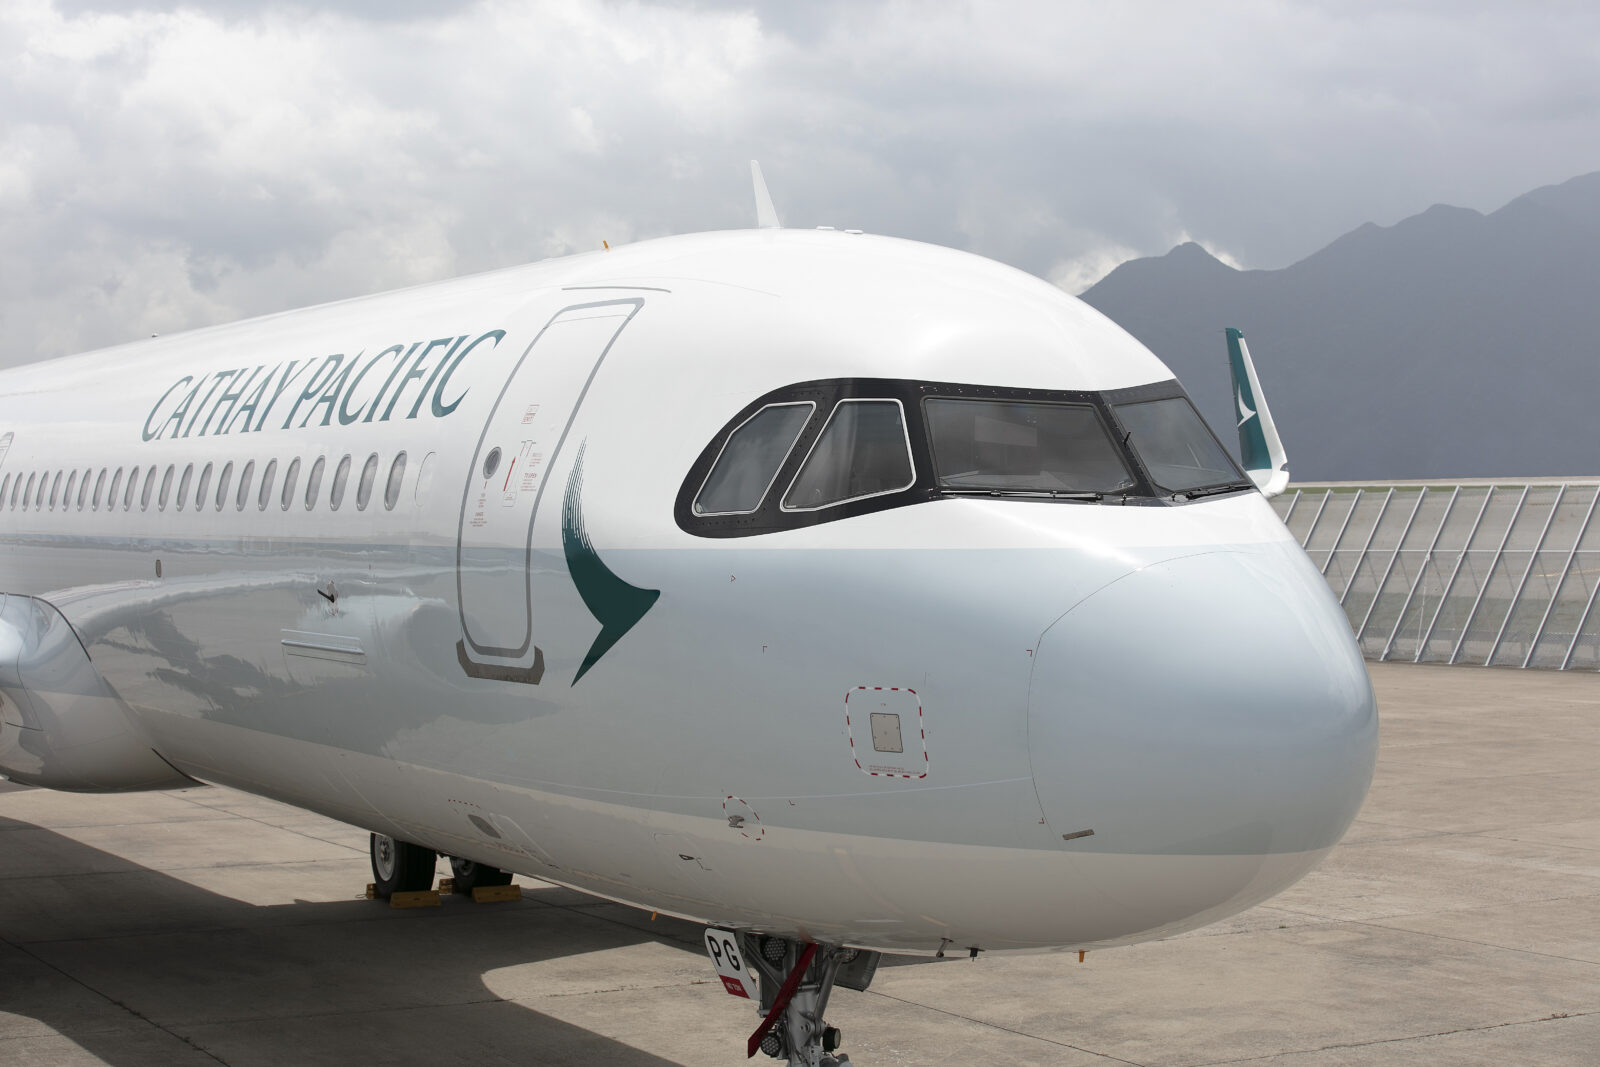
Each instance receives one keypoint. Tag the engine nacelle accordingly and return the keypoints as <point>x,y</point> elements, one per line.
<point>61,725</point>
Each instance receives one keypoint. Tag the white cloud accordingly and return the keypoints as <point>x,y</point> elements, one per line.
<point>166,164</point>
<point>1185,237</point>
<point>1079,272</point>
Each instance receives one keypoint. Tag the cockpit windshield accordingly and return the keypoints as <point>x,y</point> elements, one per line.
<point>1175,446</point>
<point>1023,446</point>
<point>839,448</point>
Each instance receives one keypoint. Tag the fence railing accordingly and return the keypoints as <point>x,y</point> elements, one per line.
<point>1490,573</point>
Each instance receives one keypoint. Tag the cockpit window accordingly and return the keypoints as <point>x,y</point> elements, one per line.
<point>834,449</point>
<point>1176,447</point>
<point>1029,447</point>
<point>749,462</point>
<point>863,452</point>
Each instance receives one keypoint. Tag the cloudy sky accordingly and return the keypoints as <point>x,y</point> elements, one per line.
<point>165,165</point>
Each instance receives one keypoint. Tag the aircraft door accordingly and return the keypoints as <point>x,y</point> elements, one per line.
<point>505,486</point>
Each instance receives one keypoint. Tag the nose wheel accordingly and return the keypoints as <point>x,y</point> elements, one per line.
<point>796,980</point>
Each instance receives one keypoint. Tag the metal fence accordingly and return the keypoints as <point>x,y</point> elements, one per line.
<point>1501,574</point>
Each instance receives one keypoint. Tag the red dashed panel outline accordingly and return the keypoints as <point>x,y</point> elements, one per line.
<point>752,832</point>
<point>922,730</point>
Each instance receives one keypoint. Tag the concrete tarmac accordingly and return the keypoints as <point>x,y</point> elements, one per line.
<point>1459,923</point>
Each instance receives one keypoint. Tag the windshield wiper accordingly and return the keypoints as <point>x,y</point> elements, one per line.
<point>1031,494</point>
<point>1211,490</point>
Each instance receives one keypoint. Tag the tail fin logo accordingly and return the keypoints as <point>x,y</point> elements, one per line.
<point>1244,411</point>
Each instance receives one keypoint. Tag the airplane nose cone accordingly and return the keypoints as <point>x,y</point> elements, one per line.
<point>1211,720</point>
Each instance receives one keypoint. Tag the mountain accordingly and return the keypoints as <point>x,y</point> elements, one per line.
<point>1452,344</point>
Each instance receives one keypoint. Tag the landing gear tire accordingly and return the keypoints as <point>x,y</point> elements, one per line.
<point>400,866</point>
<point>469,875</point>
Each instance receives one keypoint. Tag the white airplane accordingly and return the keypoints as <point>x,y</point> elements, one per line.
<point>845,594</point>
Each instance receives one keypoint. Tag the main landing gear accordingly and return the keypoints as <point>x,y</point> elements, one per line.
<point>796,979</point>
<point>401,867</point>
<point>469,875</point>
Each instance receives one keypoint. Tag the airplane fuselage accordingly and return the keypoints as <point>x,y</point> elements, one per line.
<point>522,635</point>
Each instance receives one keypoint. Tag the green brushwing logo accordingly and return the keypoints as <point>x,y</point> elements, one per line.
<point>1253,448</point>
<point>615,604</point>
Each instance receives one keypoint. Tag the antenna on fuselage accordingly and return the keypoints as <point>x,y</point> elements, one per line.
<point>766,214</point>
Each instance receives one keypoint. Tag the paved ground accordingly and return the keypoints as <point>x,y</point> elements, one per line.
<point>1458,924</point>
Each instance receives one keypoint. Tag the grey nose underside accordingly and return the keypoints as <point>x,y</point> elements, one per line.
<point>1213,704</point>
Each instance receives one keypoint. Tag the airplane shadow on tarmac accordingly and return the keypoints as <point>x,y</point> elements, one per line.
<point>137,967</point>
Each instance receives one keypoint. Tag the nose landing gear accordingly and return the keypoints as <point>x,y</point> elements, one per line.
<point>796,980</point>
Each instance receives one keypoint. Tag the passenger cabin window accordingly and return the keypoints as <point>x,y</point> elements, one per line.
<point>264,497</point>
<point>749,463</point>
<point>28,492</point>
<point>149,489</point>
<point>183,486</point>
<point>66,495</point>
<point>222,484</point>
<point>290,476</point>
<point>55,487</point>
<point>863,452</point>
<point>314,481</point>
<point>341,476</point>
<point>1023,447</point>
<point>1176,447</point>
<point>397,474</point>
<point>83,487</point>
<point>246,476</point>
<point>99,484</point>
<point>5,487</point>
<point>202,487</point>
<point>369,474</point>
<point>166,488</point>
<point>130,489</point>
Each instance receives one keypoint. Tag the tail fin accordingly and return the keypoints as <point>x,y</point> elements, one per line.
<point>1259,444</point>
